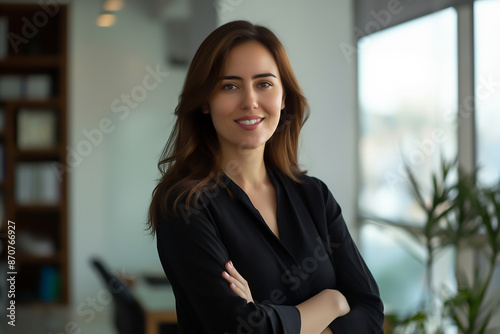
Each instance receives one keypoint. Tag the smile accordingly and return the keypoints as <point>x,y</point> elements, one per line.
<point>249,121</point>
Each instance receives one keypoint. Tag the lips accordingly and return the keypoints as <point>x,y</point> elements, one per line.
<point>250,122</point>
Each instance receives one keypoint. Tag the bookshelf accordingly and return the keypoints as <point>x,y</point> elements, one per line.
<point>33,140</point>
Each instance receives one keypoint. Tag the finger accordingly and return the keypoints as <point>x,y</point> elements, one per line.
<point>239,282</point>
<point>233,272</point>
<point>233,280</point>
<point>235,286</point>
<point>238,291</point>
<point>238,279</point>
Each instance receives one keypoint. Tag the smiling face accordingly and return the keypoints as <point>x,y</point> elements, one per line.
<point>246,103</point>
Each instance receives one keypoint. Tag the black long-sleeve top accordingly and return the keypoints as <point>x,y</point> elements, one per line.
<point>314,252</point>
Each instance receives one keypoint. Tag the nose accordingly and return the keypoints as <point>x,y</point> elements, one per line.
<point>249,99</point>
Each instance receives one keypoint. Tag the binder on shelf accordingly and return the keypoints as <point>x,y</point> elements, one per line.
<point>36,129</point>
<point>2,162</point>
<point>11,87</point>
<point>4,44</point>
<point>49,290</point>
<point>2,118</point>
<point>49,184</point>
<point>23,183</point>
<point>2,209</point>
<point>38,86</point>
<point>36,183</point>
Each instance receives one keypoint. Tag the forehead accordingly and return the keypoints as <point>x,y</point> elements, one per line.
<point>249,58</point>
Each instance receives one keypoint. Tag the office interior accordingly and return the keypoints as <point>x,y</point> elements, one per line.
<point>388,82</point>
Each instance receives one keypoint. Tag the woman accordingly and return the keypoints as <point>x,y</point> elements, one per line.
<point>250,243</point>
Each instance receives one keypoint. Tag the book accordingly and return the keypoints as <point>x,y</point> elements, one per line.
<point>2,162</point>
<point>2,209</point>
<point>11,87</point>
<point>49,184</point>
<point>38,86</point>
<point>36,183</point>
<point>49,284</point>
<point>2,118</point>
<point>36,129</point>
<point>23,183</point>
<point>4,44</point>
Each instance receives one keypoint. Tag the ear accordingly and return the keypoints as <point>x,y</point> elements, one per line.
<point>283,101</point>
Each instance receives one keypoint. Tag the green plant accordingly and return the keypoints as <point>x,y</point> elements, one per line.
<point>470,308</point>
<point>464,215</point>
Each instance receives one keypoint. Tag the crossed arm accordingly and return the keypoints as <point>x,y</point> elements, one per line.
<point>316,313</point>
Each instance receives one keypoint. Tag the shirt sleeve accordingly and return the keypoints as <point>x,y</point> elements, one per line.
<point>193,257</point>
<point>354,279</point>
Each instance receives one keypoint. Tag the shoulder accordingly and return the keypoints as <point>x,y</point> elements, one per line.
<point>318,194</point>
<point>310,189</point>
<point>199,206</point>
<point>313,186</point>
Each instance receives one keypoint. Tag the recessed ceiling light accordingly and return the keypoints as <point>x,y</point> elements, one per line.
<point>106,20</point>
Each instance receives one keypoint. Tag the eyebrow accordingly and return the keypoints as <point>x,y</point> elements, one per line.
<point>234,77</point>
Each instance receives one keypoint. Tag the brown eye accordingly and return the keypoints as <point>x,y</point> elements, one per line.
<point>229,87</point>
<point>265,84</point>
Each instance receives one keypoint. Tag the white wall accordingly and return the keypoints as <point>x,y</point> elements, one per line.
<point>110,187</point>
<point>311,32</point>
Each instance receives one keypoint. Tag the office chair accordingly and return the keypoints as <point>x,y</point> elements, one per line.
<point>128,314</point>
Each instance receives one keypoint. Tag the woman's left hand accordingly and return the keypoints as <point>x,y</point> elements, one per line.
<point>238,284</point>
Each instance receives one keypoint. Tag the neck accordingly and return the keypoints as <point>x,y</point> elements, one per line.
<point>245,167</point>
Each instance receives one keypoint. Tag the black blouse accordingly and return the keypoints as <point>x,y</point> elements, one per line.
<point>314,252</point>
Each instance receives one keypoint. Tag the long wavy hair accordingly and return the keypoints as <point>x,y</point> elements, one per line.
<point>191,160</point>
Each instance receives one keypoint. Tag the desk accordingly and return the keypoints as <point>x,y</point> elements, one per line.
<point>157,302</point>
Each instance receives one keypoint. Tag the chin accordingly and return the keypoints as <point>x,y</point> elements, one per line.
<point>253,143</point>
<point>250,146</point>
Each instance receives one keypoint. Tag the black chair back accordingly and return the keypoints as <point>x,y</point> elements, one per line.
<point>128,314</point>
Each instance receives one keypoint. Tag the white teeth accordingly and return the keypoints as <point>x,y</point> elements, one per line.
<point>249,121</point>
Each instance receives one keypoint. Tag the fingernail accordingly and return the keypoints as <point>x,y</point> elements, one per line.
<point>226,274</point>
<point>231,264</point>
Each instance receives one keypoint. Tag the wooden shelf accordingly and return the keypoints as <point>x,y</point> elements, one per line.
<point>50,103</point>
<point>38,154</point>
<point>37,208</point>
<point>46,55</point>
<point>23,258</point>
<point>30,62</point>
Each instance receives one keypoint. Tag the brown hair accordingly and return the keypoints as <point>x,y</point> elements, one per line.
<point>190,161</point>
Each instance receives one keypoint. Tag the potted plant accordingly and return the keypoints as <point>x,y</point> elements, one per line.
<point>462,214</point>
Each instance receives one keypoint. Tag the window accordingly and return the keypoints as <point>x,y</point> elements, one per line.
<point>408,108</point>
<point>487,67</point>
<point>487,70</point>
<point>407,100</point>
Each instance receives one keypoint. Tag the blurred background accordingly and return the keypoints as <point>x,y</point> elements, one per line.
<point>87,94</point>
